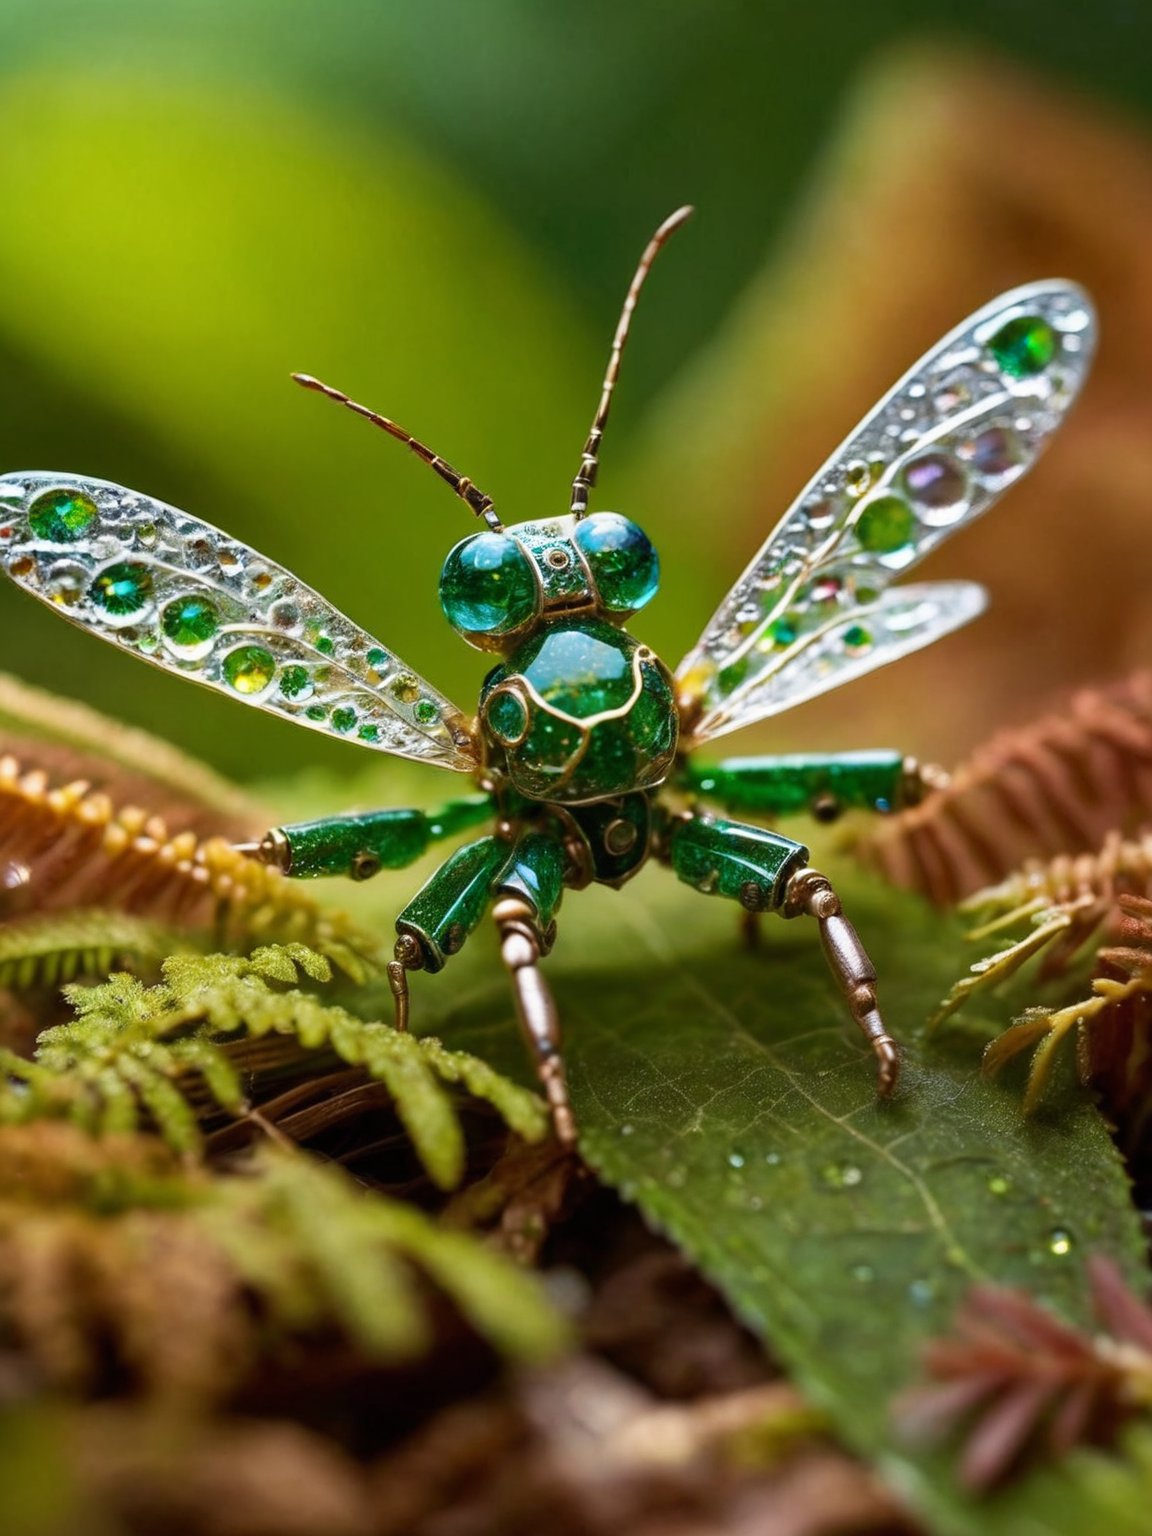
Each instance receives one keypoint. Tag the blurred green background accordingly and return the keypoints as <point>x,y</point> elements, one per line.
<point>436,206</point>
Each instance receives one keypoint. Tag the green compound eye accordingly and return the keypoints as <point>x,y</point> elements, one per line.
<point>487,586</point>
<point>622,559</point>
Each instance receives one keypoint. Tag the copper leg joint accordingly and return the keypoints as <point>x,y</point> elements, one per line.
<point>408,958</point>
<point>810,892</point>
<point>521,945</point>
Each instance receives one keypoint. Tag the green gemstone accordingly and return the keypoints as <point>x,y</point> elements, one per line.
<point>1024,346</point>
<point>316,712</point>
<point>295,682</point>
<point>586,671</point>
<point>122,589</point>
<point>733,674</point>
<point>249,669</point>
<point>343,719</point>
<point>507,717</point>
<point>783,632</point>
<point>487,586</point>
<point>885,525</point>
<point>62,516</point>
<point>857,638</point>
<point>622,559</point>
<point>377,658</point>
<point>190,621</point>
<point>325,645</point>
<point>426,713</point>
<point>369,733</point>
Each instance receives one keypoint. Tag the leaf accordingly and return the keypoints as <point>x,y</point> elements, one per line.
<point>132,1047</point>
<point>727,1095</point>
<point>105,743</point>
<point>118,1256</point>
<point>45,951</point>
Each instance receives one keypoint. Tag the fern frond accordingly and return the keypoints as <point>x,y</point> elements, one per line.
<point>116,1257</point>
<point>49,950</point>
<point>106,750</point>
<point>72,847</point>
<point>1057,786</point>
<point>164,1054</point>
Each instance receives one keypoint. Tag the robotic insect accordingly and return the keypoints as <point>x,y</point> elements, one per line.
<point>585,746</point>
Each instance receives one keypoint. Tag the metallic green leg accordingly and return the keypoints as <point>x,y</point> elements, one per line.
<point>765,872</point>
<point>524,882</point>
<point>823,784</point>
<point>359,846</point>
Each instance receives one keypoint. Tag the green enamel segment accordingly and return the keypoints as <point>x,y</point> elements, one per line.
<point>1024,346</point>
<point>63,516</point>
<point>535,870</point>
<point>358,846</point>
<point>444,912</point>
<point>725,858</point>
<point>617,833</point>
<point>789,785</point>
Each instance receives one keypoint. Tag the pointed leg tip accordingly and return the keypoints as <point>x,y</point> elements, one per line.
<point>888,1065</point>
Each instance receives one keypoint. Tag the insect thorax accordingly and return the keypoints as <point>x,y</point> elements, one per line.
<point>580,711</point>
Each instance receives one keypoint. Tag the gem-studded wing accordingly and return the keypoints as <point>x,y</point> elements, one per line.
<point>186,597</point>
<point>811,611</point>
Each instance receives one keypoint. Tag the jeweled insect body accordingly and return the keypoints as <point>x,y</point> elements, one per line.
<point>584,748</point>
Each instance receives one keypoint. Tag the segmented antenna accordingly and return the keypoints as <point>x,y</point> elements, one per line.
<point>590,458</point>
<point>482,505</point>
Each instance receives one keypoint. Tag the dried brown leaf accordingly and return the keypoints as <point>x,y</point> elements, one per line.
<point>1015,1382</point>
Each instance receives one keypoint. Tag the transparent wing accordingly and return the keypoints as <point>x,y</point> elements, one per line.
<point>186,597</point>
<point>959,427</point>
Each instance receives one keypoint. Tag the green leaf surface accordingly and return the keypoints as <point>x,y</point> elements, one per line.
<point>726,1094</point>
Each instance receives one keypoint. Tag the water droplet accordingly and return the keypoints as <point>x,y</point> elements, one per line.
<point>675,1178</point>
<point>1060,1242</point>
<point>863,1272</point>
<point>772,1159</point>
<point>735,1159</point>
<point>999,1184</point>
<point>626,1130</point>
<point>841,1175</point>
<point>921,1293</point>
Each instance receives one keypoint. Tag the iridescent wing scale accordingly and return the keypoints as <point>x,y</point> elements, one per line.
<point>188,598</point>
<point>812,610</point>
